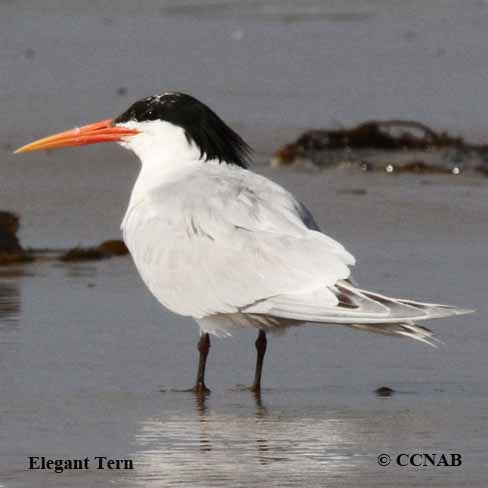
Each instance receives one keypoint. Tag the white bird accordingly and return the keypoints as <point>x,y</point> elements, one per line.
<point>214,241</point>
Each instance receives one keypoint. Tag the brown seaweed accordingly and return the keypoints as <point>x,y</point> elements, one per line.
<point>114,247</point>
<point>11,251</point>
<point>105,250</point>
<point>391,145</point>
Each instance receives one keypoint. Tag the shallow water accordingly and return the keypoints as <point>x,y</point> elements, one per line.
<point>86,352</point>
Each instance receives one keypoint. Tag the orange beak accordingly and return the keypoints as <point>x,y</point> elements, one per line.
<point>102,131</point>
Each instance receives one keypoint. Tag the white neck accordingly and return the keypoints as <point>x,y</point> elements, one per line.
<point>164,152</point>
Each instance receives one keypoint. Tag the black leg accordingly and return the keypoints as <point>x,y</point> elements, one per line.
<point>203,348</point>
<point>260,343</point>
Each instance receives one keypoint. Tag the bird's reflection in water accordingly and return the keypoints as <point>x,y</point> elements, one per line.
<point>201,408</point>
<point>202,414</point>
<point>208,441</point>
<point>260,408</point>
<point>262,446</point>
<point>201,411</point>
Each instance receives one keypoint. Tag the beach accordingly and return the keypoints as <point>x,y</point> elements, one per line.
<point>90,359</point>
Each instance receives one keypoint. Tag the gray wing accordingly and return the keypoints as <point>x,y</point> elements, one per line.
<point>225,241</point>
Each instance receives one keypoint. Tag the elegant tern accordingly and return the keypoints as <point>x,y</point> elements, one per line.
<point>214,241</point>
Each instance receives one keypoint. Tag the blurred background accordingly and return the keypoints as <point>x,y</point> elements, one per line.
<point>269,68</point>
<point>262,64</point>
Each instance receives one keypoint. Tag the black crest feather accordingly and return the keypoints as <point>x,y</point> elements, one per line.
<point>202,126</point>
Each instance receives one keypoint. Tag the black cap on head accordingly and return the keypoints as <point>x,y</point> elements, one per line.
<point>202,126</point>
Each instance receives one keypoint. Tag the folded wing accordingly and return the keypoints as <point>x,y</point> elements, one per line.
<point>214,244</point>
<point>210,244</point>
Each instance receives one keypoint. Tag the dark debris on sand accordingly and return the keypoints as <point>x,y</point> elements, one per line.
<point>384,391</point>
<point>105,250</point>
<point>391,146</point>
<point>11,251</point>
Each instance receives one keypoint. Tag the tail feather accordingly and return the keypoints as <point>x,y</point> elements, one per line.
<point>360,309</point>
<point>429,310</point>
<point>405,329</point>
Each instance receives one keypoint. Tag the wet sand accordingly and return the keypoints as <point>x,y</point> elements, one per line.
<point>85,350</point>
